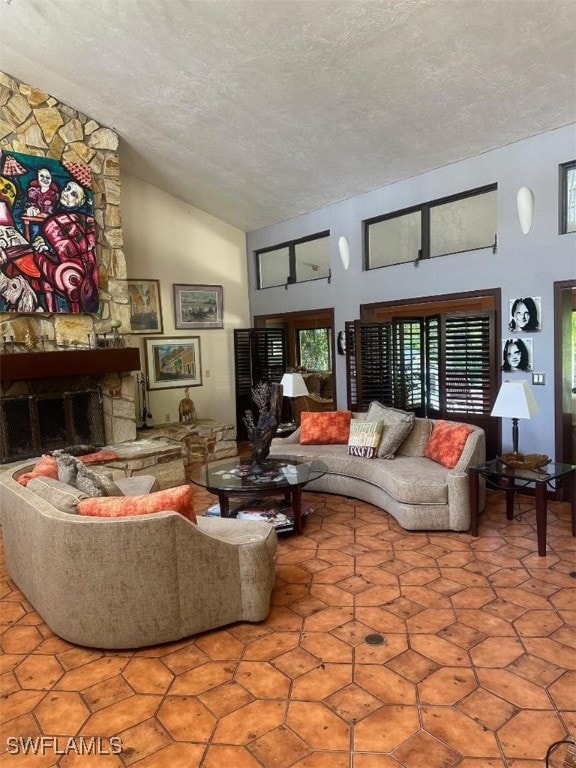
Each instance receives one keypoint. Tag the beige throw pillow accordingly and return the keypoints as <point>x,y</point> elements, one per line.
<point>61,495</point>
<point>397,426</point>
<point>415,444</point>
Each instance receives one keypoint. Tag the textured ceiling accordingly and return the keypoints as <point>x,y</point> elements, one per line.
<point>259,110</point>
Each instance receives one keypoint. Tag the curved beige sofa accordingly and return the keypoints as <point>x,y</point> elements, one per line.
<point>420,493</point>
<point>134,581</point>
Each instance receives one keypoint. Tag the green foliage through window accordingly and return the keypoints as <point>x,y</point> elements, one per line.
<point>314,349</point>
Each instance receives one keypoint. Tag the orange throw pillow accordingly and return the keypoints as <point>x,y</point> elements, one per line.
<point>46,466</point>
<point>325,428</point>
<point>90,458</point>
<point>446,443</point>
<point>179,499</point>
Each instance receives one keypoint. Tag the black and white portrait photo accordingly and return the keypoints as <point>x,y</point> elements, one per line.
<point>525,314</point>
<point>517,355</point>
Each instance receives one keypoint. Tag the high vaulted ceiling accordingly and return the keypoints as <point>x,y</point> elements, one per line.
<point>259,110</point>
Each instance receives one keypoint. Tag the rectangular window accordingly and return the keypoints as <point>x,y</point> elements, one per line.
<point>464,222</point>
<point>314,349</point>
<point>568,198</point>
<point>395,240</point>
<point>296,261</point>
<point>274,267</point>
<point>312,259</point>
<point>438,366</point>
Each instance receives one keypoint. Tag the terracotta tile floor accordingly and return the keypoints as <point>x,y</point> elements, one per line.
<point>477,668</point>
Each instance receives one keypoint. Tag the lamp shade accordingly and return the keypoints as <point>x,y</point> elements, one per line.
<point>515,401</point>
<point>293,385</point>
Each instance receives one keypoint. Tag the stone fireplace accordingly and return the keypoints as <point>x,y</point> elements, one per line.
<point>55,384</point>
<point>53,399</point>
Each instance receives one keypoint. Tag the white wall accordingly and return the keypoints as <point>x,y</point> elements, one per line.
<point>524,265</point>
<point>169,240</point>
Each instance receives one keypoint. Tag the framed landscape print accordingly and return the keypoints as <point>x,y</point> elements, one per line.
<point>173,362</point>
<point>145,306</point>
<point>198,306</point>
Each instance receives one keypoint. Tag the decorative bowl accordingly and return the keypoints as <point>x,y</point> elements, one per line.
<point>525,461</point>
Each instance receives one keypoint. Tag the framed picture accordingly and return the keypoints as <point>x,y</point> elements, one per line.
<point>145,306</point>
<point>525,314</point>
<point>198,306</point>
<point>173,362</point>
<point>517,355</point>
<point>67,269</point>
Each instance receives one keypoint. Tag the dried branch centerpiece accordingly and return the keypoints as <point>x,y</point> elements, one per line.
<point>267,398</point>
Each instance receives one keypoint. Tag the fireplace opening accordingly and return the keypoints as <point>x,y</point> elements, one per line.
<point>34,424</point>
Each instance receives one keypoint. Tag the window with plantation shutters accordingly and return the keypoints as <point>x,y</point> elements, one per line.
<point>351,370</point>
<point>408,364</point>
<point>440,366</point>
<point>468,369</point>
<point>259,355</point>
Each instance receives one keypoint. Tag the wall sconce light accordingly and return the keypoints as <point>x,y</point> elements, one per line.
<point>344,250</point>
<point>525,203</point>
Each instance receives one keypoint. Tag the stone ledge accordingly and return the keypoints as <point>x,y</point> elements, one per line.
<point>203,442</point>
<point>157,456</point>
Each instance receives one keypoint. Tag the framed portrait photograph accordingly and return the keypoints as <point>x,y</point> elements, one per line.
<point>173,362</point>
<point>525,314</point>
<point>198,306</point>
<point>517,355</point>
<point>145,306</point>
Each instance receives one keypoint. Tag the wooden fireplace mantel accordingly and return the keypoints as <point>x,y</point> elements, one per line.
<point>16,366</point>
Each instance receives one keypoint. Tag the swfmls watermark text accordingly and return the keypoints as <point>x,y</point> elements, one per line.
<point>63,745</point>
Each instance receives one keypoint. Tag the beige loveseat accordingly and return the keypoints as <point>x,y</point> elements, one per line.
<point>419,492</point>
<point>133,581</point>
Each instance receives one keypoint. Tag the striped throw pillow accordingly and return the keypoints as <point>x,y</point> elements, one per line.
<point>364,438</point>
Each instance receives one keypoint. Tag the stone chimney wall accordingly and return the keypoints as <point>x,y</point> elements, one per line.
<point>34,122</point>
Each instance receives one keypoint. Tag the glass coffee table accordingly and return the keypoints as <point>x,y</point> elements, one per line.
<point>278,476</point>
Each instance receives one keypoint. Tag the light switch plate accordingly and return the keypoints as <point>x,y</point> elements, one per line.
<point>538,378</point>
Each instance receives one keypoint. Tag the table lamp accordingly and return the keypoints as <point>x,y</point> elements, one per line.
<point>293,385</point>
<point>515,401</point>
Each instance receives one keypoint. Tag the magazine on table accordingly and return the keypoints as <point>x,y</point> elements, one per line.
<point>277,512</point>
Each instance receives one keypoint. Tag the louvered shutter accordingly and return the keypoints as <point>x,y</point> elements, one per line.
<point>408,364</point>
<point>259,355</point>
<point>369,364</point>
<point>351,371</point>
<point>441,366</point>
<point>468,364</point>
<point>433,368</point>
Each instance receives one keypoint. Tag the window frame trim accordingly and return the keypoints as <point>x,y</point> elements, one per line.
<point>563,169</point>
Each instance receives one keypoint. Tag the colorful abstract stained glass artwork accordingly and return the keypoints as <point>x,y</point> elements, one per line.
<point>47,236</point>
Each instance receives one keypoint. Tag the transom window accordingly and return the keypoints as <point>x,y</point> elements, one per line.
<point>454,224</point>
<point>294,262</point>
